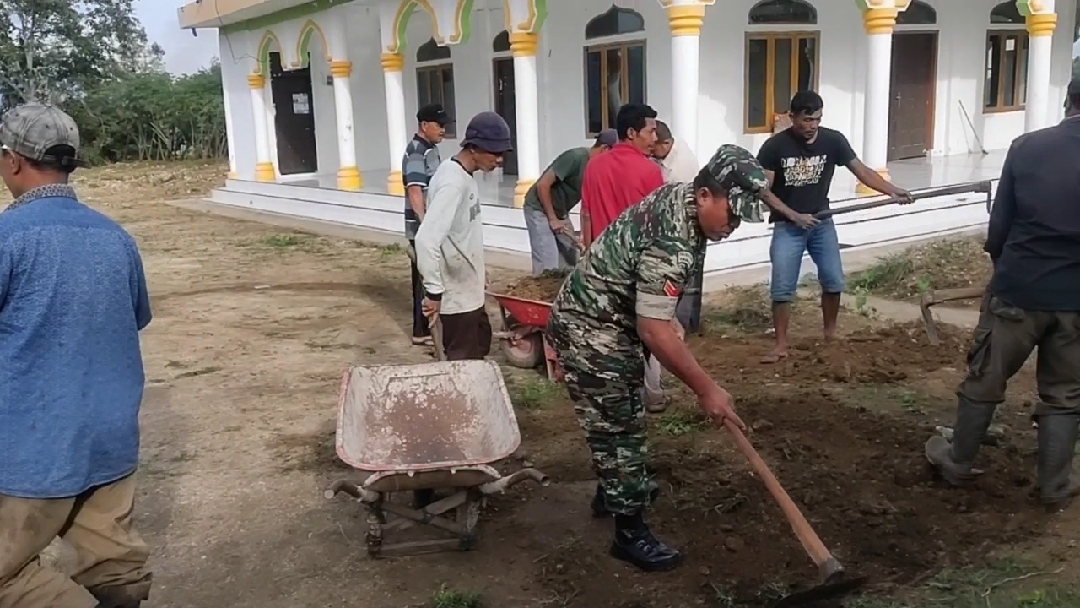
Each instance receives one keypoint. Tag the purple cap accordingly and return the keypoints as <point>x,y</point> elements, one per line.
<point>488,132</point>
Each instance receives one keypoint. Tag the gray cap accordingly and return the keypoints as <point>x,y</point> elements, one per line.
<point>607,137</point>
<point>488,132</point>
<point>30,130</point>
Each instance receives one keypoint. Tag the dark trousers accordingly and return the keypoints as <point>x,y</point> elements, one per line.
<point>467,335</point>
<point>1004,339</point>
<point>688,311</point>
<point>420,327</point>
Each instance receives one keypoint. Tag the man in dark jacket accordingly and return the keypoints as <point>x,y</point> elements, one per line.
<point>1033,302</point>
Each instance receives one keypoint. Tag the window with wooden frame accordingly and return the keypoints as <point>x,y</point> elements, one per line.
<point>778,65</point>
<point>1005,89</point>
<point>614,77</point>
<point>435,80</point>
<point>615,71</point>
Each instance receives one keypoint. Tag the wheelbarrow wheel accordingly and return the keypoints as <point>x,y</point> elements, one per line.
<point>526,353</point>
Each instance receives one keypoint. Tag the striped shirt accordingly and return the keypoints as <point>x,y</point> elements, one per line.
<point>417,166</point>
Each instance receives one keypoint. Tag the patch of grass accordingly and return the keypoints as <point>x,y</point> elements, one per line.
<point>450,598</point>
<point>941,264</point>
<point>1003,584</point>
<point>290,242</point>
<point>530,393</point>
<point>391,250</point>
<point>678,422</point>
<point>741,308</point>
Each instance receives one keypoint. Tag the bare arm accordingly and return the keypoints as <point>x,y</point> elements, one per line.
<point>415,194</point>
<point>543,192</point>
<point>662,339</point>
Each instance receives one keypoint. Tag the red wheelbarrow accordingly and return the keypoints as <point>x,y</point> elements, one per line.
<point>522,337</point>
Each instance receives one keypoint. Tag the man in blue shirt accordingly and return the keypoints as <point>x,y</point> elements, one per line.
<point>72,301</point>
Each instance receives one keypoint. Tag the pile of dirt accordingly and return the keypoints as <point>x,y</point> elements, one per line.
<point>882,355</point>
<point>862,481</point>
<point>540,288</point>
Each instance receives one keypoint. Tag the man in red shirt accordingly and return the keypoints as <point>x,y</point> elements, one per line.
<point>622,177</point>
<point>614,182</point>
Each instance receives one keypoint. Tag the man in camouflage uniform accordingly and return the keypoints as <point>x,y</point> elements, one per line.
<point>618,304</point>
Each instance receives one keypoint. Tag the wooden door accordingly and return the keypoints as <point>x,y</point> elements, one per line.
<point>294,118</point>
<point>912,88</point>
<point>506,106</point>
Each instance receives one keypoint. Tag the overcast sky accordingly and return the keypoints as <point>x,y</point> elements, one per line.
<point>184,53</point>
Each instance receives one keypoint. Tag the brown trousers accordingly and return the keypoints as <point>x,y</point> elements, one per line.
<point>110,563</point>
<point>1004,339</point>
<point>467,335</point>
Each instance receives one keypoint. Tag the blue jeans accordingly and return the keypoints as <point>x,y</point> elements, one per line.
<point>789,243</point>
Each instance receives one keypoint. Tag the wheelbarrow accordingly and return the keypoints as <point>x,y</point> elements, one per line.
<point>522,337</point>
<point>433,426</point>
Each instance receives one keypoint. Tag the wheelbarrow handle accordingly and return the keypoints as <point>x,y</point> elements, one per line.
<point>827,565</point>
<point>977,187</point>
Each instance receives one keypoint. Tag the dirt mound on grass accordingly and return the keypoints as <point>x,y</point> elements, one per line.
<point>861,480</point>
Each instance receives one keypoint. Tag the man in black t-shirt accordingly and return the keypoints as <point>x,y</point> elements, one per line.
<point>800,162</point>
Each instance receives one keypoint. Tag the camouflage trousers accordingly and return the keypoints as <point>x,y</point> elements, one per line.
<point>610,411</point>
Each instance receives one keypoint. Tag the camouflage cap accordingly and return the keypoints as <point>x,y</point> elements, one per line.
<point>30,130</point>
<point>744,178</point>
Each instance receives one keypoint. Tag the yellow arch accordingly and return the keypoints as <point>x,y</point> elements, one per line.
<point>303,41</point>
<point>401,24</point>
<point>266,44</point>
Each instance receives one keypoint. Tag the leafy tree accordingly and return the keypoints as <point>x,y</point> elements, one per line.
<point>52,50</point>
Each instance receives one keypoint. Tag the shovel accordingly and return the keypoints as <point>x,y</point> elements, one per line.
<point>834,581</point>
<point>977,187</point>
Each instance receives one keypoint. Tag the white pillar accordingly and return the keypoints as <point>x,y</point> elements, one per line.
<point>523,46</point>
<point>392,64</point>
<point>1041,32</point>
<point>879,23</point>
<point>685,21</point>
<point>264,165</point>
<point>348,175</point>
<point>229,133</point>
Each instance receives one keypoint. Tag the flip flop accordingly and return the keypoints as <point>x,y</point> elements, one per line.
<point>426,341</point>
<point>772,358</point>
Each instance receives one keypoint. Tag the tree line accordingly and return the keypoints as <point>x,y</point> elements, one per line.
<point>92,59</point>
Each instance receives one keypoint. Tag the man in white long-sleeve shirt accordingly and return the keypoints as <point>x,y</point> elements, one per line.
<point>450,242</point>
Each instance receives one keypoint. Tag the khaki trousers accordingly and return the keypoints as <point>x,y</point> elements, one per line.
<point>110,563</point>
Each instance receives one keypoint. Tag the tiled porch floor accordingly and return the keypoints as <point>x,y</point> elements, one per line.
<point>910,174</point>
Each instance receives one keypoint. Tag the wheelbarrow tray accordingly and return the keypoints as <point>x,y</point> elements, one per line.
<point>424,427</point>
<point>530,313</point>
<point>434,416</point>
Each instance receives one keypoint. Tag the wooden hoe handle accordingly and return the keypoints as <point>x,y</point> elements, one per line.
<point>807,537</point>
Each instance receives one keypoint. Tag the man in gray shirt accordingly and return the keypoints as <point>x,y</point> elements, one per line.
<point>417,166</point>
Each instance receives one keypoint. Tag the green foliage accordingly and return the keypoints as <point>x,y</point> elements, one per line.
<point>449,598</point>
<point>153,116</point>
<point>91,57</point>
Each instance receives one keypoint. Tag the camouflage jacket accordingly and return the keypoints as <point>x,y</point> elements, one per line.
<point>639,266</point>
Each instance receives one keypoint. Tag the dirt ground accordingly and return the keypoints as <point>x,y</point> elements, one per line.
<point>254,325</point>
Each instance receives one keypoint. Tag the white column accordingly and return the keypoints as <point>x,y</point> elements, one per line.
<point>1041,32</point>
<point>523,46</point>
<point>879,23</point>
<point>264,165</point>
<point>348,175</point>
<point>229,133</point>
<point>392,64</point>
<point>685,22</point>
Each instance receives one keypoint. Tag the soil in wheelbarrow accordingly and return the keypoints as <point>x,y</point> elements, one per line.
<point>540,288</point>
<point>858,473</point>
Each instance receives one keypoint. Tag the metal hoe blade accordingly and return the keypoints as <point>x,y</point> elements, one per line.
<point>825,591</point>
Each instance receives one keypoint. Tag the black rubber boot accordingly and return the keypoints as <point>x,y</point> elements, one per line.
<point>954,460</point>
<point>636,545</point>
<point>1057,440</point>
<point>599,510</point>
